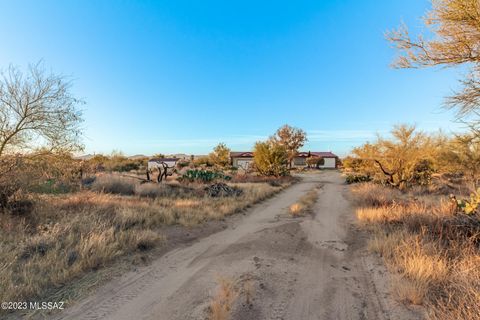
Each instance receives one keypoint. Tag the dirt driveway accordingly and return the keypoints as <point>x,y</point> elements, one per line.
<point>314,267</point>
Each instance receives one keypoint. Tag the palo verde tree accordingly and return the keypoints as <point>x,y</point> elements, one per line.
<point>402,160</point>
<point>455,25</point>
<point>292,139</point>
<point>220,155</point>
<point>37,109</point>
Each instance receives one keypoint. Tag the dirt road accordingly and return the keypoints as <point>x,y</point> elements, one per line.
<point>314,267</point>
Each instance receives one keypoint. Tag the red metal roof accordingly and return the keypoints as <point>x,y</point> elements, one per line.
<point>163,159</point>
<point>242,154</point>
<point>322,154</point>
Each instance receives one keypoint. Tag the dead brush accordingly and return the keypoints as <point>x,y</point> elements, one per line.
<point>222,303</point>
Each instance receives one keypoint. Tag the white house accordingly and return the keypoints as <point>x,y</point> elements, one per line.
<point>245,159</point>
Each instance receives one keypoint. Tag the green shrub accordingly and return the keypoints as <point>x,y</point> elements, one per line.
<point>204,176</point>
<point>270,158</point>
<point>357,178</point>
<point>203,161</point>
<point>182,164</point>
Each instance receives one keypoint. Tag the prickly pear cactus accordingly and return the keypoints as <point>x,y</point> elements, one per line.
<point>470,206</point>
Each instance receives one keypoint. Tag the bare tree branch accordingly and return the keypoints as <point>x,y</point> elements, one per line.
<point>37,110</point>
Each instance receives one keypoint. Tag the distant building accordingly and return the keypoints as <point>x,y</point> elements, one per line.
<point>245,159</point>
<point>159,162</point>
<point>330,159</point>
<point>241,160</point>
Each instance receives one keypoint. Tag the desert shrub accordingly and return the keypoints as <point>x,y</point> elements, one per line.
<point>205,176</point>
<point>114,184</point>
<point>315,162</point>
<point>40,172</point>
<point>357,178</point>
<point>434,251</point>
<point>222,190</point>
<point>422,172</point>
<point>401,161</point>
<point>220,155</point>
<point>116,162</point>
<point>183,164</point>
<point>461,154</point>
<point>270,158</point>
<point>203,162</point>
<point>372,194</point>
<point>352,164</point>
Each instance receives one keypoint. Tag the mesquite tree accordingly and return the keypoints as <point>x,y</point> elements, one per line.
<point>37,110</point>
<point>292,139</point>
<point>455,25</point>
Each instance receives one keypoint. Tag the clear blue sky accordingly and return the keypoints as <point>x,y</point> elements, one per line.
<point>180,76</point>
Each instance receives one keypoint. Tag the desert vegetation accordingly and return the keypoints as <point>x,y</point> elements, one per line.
<point>429,243</point>
<point>417,193</point>
<point>62,218</point>
<point>62,236</point>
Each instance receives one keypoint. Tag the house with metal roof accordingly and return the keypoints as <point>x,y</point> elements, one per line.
<point>244,159</point>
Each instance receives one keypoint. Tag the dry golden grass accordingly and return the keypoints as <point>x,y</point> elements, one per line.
<point>304,204</point>
<point>375,195</point>
<point>409,291</point>
<point>66,236</point>
<point>114,184</point>
<point>434,251</point>
<point>222,303</point>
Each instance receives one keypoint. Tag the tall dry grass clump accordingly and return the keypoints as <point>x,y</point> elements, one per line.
<point>434,250</point>
<point>114,184</point>
<point>375,195</point>
<point>222,303</point>
<point>304,204</point>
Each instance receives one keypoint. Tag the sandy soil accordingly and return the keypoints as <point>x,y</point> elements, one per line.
<point>315,267</point>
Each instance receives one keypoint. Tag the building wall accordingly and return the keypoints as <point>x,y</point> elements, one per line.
<point>329,163</point>
<point>242,162</point>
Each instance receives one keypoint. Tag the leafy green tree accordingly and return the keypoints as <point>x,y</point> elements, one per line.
<point>292,139</point>
<point>158,155</point>
<point>270,158</point>
<point>221,155</point>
